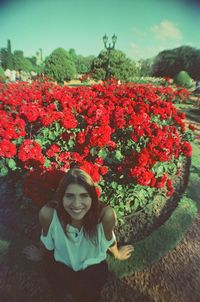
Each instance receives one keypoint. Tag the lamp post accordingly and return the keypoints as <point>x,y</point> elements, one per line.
<point>109,48</point>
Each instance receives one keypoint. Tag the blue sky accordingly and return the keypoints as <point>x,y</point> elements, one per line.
<point>143,27</point>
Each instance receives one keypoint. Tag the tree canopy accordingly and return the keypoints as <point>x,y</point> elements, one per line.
<point>171,62</point>
<point>120,66</point>
<point>60,66</point>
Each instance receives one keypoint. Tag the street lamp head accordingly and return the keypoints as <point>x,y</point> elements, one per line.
<point>114,39</point>
<point>105,39</point>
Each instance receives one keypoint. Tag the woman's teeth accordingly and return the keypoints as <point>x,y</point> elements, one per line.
<point>76,210</point>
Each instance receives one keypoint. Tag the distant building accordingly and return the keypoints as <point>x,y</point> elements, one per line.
<point>39,58</point>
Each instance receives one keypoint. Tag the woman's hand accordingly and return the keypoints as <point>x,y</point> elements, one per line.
<point>32,253</point>
<point>124,252</point>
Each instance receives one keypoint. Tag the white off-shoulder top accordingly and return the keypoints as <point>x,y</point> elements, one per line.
<point>75,251</point>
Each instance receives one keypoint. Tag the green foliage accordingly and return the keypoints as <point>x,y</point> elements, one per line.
<point>83,64</point>
<point>145,67</point>
<point>59,66</point>
<point>2,75</point>
<point>6,59</point>
<point>183,79</point>
<point>169,63</point>
<point>20,62</point>
<point>120,67</point>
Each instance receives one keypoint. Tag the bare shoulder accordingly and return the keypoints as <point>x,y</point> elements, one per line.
<point>108,219</point>
<point>45,218</point>
<point>108,214</point>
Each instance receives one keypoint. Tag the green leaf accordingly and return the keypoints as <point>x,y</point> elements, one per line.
<point>135,205</point>
<point>18,141</point>
<point>52,135</point>
<point>11,164</point>
<point>71,143</point>
<point>3,171</point>
<point>39,141</point>
<point>57,125</point>
<point>102,153</point>
<point>114,184</point>
<point>93,151</point>
<point>118,155</point>
<point>47,163</point>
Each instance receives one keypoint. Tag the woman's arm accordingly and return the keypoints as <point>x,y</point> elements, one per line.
<point>36,253</point>
<point>108,220</point>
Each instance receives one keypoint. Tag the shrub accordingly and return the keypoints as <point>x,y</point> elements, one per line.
<point>59,66</point>
<point>183,79</point>
<point>128,137</point>
<point>120,67</point>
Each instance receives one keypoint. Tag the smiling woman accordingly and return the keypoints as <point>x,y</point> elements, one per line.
<point>77,232</point>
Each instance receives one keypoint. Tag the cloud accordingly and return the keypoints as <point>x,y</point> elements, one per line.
<point>167,30</point>
<point>134,46</point>
<point>138,32</point>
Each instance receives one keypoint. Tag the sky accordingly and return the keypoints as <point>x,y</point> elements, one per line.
<point>143,27</point>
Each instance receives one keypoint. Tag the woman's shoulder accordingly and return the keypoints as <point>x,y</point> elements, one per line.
<point>107,214</point>
<point>108,220</point>
<point>46,216</point>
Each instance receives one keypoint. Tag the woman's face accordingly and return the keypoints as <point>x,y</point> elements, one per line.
<point>76,201</point>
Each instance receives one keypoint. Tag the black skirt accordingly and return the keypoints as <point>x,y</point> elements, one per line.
<point>84,285</point>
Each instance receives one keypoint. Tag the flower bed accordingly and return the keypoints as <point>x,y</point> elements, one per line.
<point>130,138</point>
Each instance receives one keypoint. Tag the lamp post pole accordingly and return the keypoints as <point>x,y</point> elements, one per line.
<point>109,48</point>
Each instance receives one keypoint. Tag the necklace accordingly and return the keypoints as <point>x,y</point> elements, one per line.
<point>72,230</point>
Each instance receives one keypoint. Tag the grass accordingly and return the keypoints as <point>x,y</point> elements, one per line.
<point>165,238</point>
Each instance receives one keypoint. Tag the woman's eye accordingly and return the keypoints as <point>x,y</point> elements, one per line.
<point>68,195</point>
<point>85,195</point>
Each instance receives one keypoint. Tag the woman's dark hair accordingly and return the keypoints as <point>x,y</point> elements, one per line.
<point>91,219</point>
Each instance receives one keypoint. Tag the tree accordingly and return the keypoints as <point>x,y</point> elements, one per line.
<point>9,47</point>
<point>83,64</point>
<point>164,64</point>
<point>194,67</point>
<point>59,66</point>
<point>7,57</point>
<point>121,67</point>
<point>20,62</point>
<point>171,62</point>
<point>145,67</point>
<point>73,54</point>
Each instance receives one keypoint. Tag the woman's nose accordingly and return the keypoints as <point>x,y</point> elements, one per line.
<point>77,201</point>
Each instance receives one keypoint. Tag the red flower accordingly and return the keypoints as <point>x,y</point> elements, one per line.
<point>81,138</point>
<point>103,170</point>
<point>100,136</point>
<point>7,148</point>
<point>160,181</point>
<point>192,127</point>
<point>169,187</point>
<point>92,170</point>
<point>68,120</point>
<point>141,175</point>
<point>186,148</point>
<point>53,150</point>
<point>30,150</point>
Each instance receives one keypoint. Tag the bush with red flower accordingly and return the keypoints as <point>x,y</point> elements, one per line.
<point>129,137</point>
